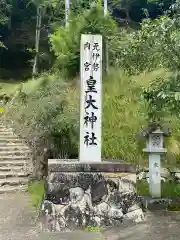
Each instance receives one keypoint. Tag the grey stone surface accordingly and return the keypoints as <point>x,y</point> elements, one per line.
<point>68,166</point>
<point>77,200</point>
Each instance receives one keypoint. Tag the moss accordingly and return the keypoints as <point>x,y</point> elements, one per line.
<point>93,229</point>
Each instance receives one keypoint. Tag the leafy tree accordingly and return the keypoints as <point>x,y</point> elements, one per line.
<point>21,20</point>
<point>5,9</point>
<point>3,17</point>
<point>65,41</point>
<point>163,96</point>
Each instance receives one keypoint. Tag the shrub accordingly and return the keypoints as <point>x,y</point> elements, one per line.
<point>45,118</point>
<point>154,45</point>
<point>49,117</point>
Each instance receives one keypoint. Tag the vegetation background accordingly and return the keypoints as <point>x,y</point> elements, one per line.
<point>39,71</point>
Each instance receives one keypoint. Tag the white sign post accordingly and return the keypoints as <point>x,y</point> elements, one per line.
<point>91,98</point>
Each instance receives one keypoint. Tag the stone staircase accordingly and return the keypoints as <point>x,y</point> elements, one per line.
<point>15,162</point>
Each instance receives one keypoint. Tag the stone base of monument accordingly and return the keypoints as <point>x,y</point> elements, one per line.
<point>81,195</point>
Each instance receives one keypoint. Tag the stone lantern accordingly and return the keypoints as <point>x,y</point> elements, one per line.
<point>154,135</point>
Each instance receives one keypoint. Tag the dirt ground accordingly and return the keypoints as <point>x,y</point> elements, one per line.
<point>18,222</point>
<point>159,225</point>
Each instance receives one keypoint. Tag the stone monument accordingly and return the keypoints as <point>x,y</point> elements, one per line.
<point>154,135</point>
<point>91,98</point>
<point>87,191</point>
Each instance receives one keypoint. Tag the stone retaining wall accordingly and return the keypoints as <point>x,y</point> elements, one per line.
<point>167,174</point>
<point>80,195</point>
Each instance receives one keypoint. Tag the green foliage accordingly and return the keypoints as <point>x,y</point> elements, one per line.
<point>44,117</point>
<point>168,189</point>
<point>36,192</point>
<point>50,115</point>
<point>66,41</point>
<point>40,3</point>
<point>4,10</point>
<point>163,97</point>
<point>18,18</point>
<point>46,110</point>
<point>155,45</point>
<point>139,50</point>
<point>119,132</point>
<point>93,229</point>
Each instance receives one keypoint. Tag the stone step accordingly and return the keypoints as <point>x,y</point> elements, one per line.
<point>14,148</point>
<point>12,144</point>
<point>9,163</point>
<point>6,132</point>
<point>8,136</point>
<point>11,140</point>
<point>4,126</point>
<point>3,129</point>
<point>13,181</point>
<point>10,189</point>
<point>11,174</point>
<point>21,157</point>
<point>12,168</point>
<point>14,153</point>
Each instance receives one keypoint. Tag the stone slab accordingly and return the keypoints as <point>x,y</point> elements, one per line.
<point>79,195</point>
<point>57,180</point>
<point>76,200</point>
<point>75,166</point>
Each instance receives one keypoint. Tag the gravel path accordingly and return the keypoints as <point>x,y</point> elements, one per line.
<point>159,225</point>
<point>16,218</point>
<point>18,222</point>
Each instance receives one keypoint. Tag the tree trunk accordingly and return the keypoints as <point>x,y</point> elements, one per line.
<point>37,40</point>
<point>9,23</point>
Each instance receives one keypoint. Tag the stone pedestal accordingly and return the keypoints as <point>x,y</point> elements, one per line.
<point>80,195</point>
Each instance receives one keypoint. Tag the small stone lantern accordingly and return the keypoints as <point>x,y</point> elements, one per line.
<point>154,135</point>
